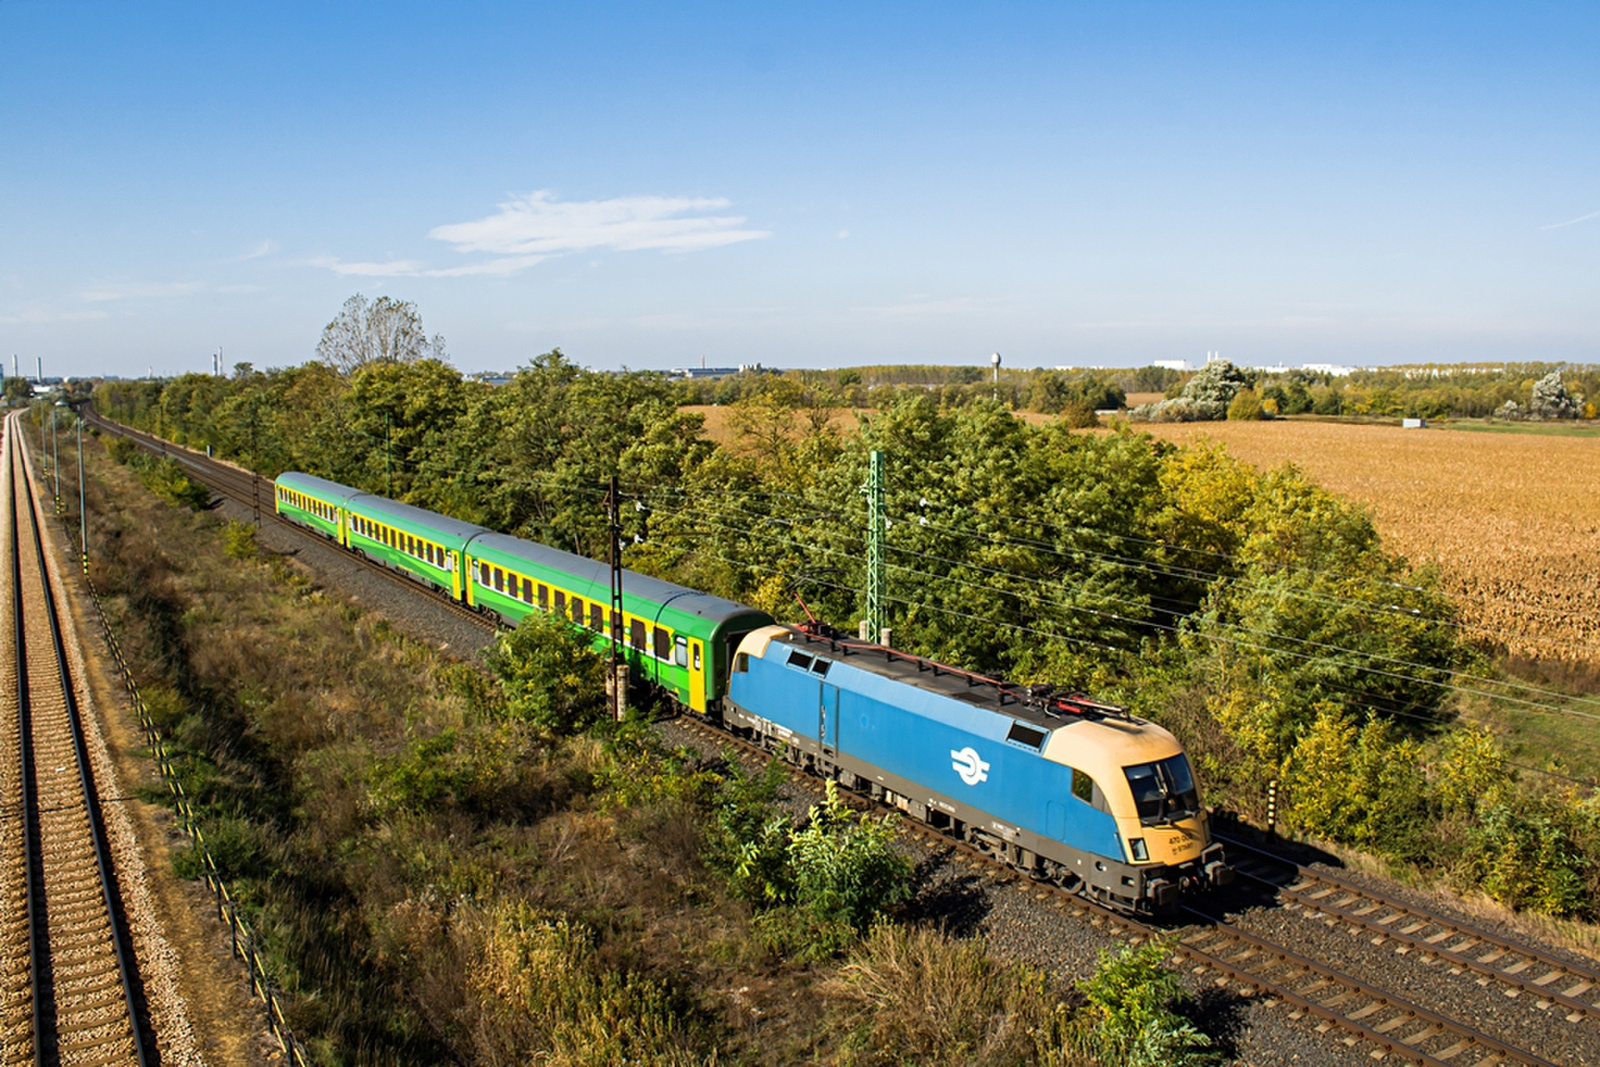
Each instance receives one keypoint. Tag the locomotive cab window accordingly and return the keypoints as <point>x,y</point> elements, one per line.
<point>1164,790</point>
<point>741,663</point>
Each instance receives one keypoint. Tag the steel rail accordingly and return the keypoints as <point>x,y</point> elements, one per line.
<point>249,489</point>
<point>38,954</point>
<point>1388,925</point>
<point>121,950</point>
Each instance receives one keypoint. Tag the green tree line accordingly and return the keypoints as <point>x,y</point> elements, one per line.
<point>1258,615</point>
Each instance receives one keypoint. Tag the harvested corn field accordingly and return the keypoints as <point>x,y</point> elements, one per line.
<point>1512,519</point>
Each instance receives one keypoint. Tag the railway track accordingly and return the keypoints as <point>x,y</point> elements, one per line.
<point>1549,981</point>
<point>255,492</point>
<point>1392,1026</point>
<point>81,1002</point>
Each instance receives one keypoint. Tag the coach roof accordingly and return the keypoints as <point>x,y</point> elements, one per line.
<point>677,597</point>
<point>369,504</point>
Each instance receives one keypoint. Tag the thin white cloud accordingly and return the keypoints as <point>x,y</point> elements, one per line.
<point>38,315</point>
<point>265,248</point>
<point>530,229</point>
<point>507,265</point>
<point>1572,222</point>
<point>392,269</point>
<point>539,224</point>
<point>141,291</point>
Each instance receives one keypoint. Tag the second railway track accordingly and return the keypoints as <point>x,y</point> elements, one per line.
<point>80,1001</point>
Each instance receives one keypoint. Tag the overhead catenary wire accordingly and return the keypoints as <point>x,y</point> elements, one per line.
<point>1413,716</point>
<point>1236,628</point>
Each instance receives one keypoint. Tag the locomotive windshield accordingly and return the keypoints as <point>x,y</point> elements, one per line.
<point>1163,790</point>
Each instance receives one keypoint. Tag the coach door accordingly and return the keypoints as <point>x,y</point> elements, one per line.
<point>828,717</point>
<point>697,676</point>
<point>455,574</point>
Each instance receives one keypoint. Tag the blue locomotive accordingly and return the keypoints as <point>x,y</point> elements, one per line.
<point>1071,791</point>
<point>1076,792</point>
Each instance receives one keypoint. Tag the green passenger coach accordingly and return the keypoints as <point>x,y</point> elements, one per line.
<point>314,502</point>
<point>424,545</point>
<point>676,637</point>
<point>679,638</point>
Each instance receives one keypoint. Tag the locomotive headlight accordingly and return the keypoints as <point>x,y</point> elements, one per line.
<point>1136,846</point>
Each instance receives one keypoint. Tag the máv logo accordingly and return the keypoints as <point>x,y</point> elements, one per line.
<point>967,764</point>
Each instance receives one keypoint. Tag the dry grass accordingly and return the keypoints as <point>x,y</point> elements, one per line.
<point>1512,520</point>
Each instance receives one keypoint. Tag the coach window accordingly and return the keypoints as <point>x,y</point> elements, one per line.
<point>663,643</point>
<point>527,590</point>
<point>597,617</point>
<point>680,651</point>
<point>499,580</point>
<point>636,634</point>
<point>561,602</point>
<point>483,573</point>
<point>577,611</point>
<point>544,597</point>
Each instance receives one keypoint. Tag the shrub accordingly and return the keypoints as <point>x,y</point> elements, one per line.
<point>1527,860</point>
<point>1362,785</point>
<point>846,867</point>
<point>917,996</point>
<point>121,449</point>
<point>1134,1024</point>
<point>1218,382</point>
<point>1245,407</point>
<point>549,675</point>
<point>239,540</point>
<point>553,1000</point>
<point>824,883</point>
<point>166,479</point>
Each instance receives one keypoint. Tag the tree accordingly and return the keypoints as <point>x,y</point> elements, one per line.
<point>383,331</point>
<point>18,391</point>
<point>1551,399</point>
<point>1245,406</point>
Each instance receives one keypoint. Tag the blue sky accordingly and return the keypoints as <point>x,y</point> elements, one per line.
<point>801,185</point>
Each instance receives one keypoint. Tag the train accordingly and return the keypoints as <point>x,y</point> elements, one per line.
<point>1070,790</point>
